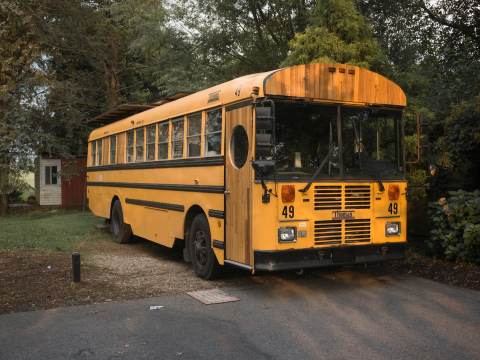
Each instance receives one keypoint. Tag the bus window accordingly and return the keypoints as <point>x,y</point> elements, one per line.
<point>177,138</point>
<point>130,146</point>
<point>140,137</point>
<point>194,134</point>
<point>99,151</point>
<point>213,133</point>
<point>113,149</point>
<point>151,142</point>
<point>163,140</point>
<point>93,144</point>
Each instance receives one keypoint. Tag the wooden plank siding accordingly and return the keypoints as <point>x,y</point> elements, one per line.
<point>334,83</point>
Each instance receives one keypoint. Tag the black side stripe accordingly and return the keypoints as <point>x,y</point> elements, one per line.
<point>216,213</point>
<point>174,187</point>
<point>156,205</point>
<point>218,244</point>
<point>208,161</point>
<point>239,105</point>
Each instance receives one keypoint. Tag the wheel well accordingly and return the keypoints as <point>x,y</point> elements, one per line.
<point>191,213</point>
<point>115,198</point>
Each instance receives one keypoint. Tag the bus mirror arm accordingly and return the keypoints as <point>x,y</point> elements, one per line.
<point>264,168</point>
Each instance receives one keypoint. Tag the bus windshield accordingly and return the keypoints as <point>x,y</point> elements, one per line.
<point>307,135</point>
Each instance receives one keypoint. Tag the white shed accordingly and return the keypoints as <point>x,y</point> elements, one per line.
<point>49,186</point>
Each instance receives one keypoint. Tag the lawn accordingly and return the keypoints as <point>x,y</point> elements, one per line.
<point>49,230</point>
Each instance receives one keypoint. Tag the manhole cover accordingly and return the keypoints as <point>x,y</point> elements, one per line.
<point>212,296</point>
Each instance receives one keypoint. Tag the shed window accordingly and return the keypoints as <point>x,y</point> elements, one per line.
<point>51,175</point>
<point>194,134</point>
<point>93,144</point>
<point>139,144</point>
<point>130,145</point>
<point>163,140</point>
<point>213,133</point>
<point>177,138</point>
<point>151,142</point>
<point>99,152</point>
<point>113,149</point>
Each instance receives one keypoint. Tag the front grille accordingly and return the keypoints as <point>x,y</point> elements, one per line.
<point>348,197</point>
<point>336,232</point>
<point>357,231</point>
<point>357,197</point>
<point>328,197</point>
<point>328,232</point>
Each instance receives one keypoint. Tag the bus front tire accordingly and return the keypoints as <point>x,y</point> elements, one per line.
<point>121,232</point>
<point>203,259</point>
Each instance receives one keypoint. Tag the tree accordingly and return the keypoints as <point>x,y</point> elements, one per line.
<point>17,59</point>
<point>237,37</point>
<point>337,33</point>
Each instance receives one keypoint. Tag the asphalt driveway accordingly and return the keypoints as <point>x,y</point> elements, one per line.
<point>331,315</point>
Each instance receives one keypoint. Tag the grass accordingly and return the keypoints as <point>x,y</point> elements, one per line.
<point>49,230</point>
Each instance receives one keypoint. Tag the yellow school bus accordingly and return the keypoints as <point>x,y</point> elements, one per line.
<point>294,168</point>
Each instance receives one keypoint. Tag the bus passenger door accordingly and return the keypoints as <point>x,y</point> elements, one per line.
<point>238,183</point>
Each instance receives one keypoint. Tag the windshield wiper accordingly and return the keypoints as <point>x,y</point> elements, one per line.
<point>317,172</point>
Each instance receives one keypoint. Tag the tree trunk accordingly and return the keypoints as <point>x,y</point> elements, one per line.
<point>3,204</point>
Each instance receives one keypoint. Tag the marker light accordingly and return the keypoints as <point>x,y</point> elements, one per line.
<point>288,193</point>
<point>393,192</point>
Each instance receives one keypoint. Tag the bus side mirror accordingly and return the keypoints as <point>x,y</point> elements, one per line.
<point>263,167</point>
<point>418,145</point>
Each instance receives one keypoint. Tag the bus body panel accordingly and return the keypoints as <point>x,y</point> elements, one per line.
<point>157,197</point>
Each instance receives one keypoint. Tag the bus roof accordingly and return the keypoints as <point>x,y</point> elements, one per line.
<point>331,83</point>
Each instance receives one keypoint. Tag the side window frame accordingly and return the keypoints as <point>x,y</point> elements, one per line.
<point>191,137</point>
<point>178,139</point>
<point>130,146</point>
<point>149,143</point>
<point>163,141</point>
<point>208,133</point>
<point>140,146</point>
<point>113,149</point>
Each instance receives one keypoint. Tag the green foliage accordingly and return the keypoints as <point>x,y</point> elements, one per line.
<point>236,37</point>
<point>338,34</point>
<point>456,226</point>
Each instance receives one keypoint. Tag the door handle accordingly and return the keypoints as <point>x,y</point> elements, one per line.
<point>226,192</point>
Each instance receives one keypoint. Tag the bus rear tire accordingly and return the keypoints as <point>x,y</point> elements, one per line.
<point>203,259</point>
<point>121,232</point>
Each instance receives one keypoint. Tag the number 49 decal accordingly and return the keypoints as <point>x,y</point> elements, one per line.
<point>288,212</point>
<point>393,208</point>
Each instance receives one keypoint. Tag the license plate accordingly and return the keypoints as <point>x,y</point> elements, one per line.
<point>342,215</point>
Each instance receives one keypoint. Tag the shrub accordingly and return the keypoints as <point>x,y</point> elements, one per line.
<point>456,226</point>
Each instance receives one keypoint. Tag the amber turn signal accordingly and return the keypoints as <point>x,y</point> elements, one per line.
<point>393,192</point>
<point>288,193</point>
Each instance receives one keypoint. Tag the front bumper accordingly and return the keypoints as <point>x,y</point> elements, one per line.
<point>319,257</point>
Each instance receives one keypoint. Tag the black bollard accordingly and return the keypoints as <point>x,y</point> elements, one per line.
<point>76,266</point>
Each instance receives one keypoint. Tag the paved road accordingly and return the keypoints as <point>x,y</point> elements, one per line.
<point>330,315</point>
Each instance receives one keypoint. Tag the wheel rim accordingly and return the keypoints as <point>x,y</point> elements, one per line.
<point>200,247</point>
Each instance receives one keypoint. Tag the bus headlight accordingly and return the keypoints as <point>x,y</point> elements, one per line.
<point>392,229</point>
<point>287,234</point>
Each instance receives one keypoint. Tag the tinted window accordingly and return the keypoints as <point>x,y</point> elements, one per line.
<point>163,140</point>
<point>213,133</point>
<point>130,137</point>
<point>239,146</point>
<point>151,142</point>
<point>177,138</point>
<point>194,134</point>
<point>113,149</point>
<point>140,134</point>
